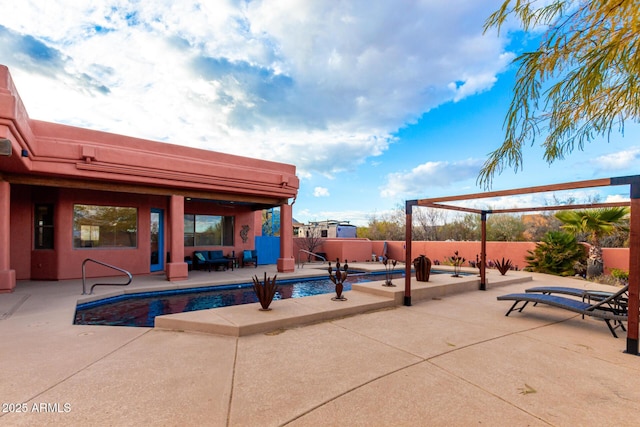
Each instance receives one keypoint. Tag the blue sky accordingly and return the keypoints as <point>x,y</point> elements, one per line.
<point>374,102</point>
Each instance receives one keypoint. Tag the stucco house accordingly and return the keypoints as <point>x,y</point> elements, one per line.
<point>68,194</point>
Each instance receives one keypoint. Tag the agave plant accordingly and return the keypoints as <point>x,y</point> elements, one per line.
<point>265,291</point>
<point>503,266</point>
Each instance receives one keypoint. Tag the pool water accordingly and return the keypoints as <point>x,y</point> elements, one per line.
<point>141,309</point>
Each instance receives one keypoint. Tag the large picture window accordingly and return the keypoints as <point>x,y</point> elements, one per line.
<point>104,227</point>
<point>208,230</point>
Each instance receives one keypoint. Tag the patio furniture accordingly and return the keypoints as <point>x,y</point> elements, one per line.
<point>250,257</point>
<point>210,259</point>
<point>576,292</point>
<point>611,309</point>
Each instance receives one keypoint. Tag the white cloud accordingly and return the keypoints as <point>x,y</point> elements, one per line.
<point>420,179</point>
<point>618,161</point>
<point>322,85</point>
<point>320,192</point>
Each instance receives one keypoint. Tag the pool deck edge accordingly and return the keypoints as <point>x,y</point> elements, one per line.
<point>248,319</point>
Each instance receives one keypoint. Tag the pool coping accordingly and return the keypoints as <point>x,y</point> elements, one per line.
<point>248,319</point>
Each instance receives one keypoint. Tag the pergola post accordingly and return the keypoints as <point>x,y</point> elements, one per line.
<point>409,204</point>
<point>483,251</point>
<point>634,270</point>
<point>634,234</point>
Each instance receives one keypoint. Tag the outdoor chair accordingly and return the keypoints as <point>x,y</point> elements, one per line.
<point>612,308</point>
<point>250,257</point>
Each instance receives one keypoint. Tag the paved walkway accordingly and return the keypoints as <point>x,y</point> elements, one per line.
<point>451,360</point>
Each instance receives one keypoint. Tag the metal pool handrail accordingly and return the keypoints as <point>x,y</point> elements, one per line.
<point>310,253</point>
<point>84,289</point>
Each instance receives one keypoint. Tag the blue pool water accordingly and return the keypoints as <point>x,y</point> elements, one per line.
<point>142,308</point>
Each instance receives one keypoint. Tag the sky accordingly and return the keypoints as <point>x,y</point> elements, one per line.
<point>375,102</point>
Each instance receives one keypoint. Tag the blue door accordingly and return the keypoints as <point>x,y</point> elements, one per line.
<point>268,249</point>
<point>157,240</point>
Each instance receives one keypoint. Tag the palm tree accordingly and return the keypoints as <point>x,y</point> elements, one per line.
<point>596,223</point>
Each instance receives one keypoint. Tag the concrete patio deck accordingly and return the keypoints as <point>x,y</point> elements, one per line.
<point>449,359</point>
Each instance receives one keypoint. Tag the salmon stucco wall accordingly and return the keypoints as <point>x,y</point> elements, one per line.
<point>362,250</point>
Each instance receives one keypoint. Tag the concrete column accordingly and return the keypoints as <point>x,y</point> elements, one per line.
<point>177,269</point>
<point>286,262</point>
<point>7,275</point>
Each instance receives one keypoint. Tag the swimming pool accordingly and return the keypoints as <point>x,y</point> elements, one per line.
<point>140,309</point>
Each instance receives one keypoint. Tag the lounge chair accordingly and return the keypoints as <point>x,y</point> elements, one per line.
<point>575,292</point>
<point>612,308</point>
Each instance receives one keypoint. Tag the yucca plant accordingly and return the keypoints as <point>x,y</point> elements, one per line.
<point>558,253</point>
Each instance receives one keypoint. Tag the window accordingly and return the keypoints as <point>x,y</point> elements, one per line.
<point>104,227</point>
<point>43,233</point>
<point>324,233</point>
<point>208,230</point>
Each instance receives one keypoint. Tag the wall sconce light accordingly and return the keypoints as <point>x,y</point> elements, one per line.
<point>5,147</point>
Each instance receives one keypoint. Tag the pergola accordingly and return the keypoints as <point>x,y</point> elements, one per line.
<point>634,234</point>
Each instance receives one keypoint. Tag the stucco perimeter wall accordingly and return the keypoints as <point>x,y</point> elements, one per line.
<point>440,251</point>
<point>615,258</point>
<point>363,249</point>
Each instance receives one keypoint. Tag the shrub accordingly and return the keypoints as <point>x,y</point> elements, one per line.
<point>620,275</point>
<point>557,253</point>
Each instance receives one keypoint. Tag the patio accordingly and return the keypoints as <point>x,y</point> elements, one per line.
<point>452,359</point>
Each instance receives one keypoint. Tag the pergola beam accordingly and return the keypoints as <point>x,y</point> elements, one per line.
<point>603,182</point>
<point>634,235</point>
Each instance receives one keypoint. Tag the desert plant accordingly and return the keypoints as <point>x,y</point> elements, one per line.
<point>338,277</point>
<point>265,291</point>
<point>620,275</point>
<point>503,266</point>
<point>557,254</point>
<point>456,261</point>
<point>389,265</point>
<point>596,223</point>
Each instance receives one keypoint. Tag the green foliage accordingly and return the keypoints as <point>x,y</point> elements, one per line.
<point>595,223</point>
<point>505,228</point>
<point>582,82</point>
<point>389,226</point>
<point>558,253</point>
<point>465,228</point>
<point>620,275</point>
